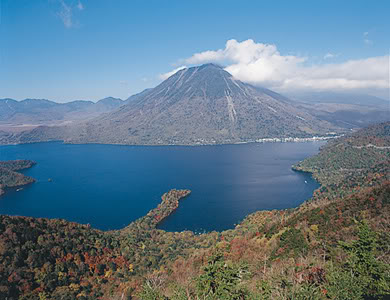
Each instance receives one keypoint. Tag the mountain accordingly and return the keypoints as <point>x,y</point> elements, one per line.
<point>138,95</point>
<point>344,109</point>
<point>347,115</point>
<point>109,103</point>
<point>340,98</point>
<point>44,112</point>
<point>200,105</point>
<point>11,109</point>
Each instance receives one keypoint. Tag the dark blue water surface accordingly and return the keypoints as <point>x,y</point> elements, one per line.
<point>109,186</point>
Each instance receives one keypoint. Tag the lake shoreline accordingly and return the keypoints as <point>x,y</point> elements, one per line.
<point>169,204</point>
<point>196,144</point>
<point>228,201</point>
<point>11,177</point>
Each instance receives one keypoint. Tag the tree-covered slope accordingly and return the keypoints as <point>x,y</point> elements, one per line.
<point>354,161</point>
<point>9,177</point>
<point>334,246</point>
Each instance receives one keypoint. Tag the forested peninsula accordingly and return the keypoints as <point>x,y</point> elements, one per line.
<point>333,246</point>
<point>10,178</point>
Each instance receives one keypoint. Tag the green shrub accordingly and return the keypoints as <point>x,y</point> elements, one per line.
<point>362,275</point>
<point>291,240</point>
<point>150,293</point>
<point>221,280</point>
<point>372,274</point>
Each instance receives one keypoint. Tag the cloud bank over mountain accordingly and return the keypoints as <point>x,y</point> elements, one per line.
<point>262,64</point>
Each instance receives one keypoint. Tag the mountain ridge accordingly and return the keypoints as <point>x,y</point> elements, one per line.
<point>35,112</point>
<point>201,105</point>
<point>195,106</point>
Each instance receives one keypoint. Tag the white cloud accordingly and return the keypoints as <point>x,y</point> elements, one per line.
<point>366,40</point>
<point>80,6</point>
<point>169,74</point>
<point>262,64</point>
<point>66,12</point>
<point>206,56</point>
<point>330,55</point>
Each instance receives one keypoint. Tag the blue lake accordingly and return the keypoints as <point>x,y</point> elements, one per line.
<point>109,186</point>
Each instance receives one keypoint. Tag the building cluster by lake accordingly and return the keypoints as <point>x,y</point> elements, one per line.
<point>297,139</point>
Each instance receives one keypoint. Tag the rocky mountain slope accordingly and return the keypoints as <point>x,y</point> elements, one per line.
<point>200,105</point>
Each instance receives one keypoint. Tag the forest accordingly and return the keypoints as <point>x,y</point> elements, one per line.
<point>336,245</point>
<point>10,178</point>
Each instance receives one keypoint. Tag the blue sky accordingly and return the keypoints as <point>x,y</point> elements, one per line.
<point>89,49</point>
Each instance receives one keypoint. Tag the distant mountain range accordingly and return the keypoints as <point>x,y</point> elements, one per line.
<point>198,105</point>
<point>340,98</point>
<point>42,111</point>
<point>344,109</point>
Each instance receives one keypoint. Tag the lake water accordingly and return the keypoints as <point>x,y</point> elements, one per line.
<point>109,186</point>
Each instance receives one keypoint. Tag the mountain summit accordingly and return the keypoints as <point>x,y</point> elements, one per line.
<point>199,105</point>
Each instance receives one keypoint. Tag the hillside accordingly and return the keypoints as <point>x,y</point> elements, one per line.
<point>16,116</point>
<point>349,116</point>
<point>312,252</point>
<point>344,109</point>
<point>9,177</point>
<point>198,105</point>
<point>340,98</point>
<point>201,105</point>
